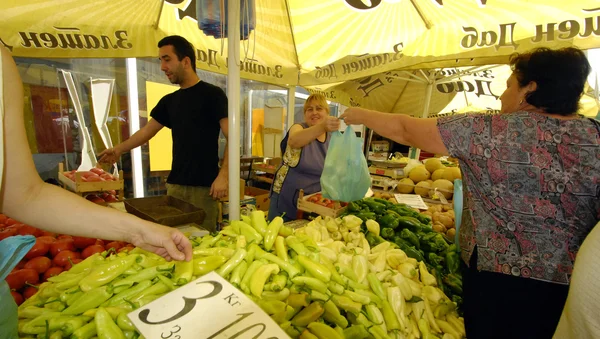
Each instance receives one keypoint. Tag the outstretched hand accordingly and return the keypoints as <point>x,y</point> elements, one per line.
<point>109,156</point>
<point>165,241</point>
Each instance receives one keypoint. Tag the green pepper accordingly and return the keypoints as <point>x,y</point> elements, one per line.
<point>356,332</point>
<point>167,282</point>
<point>410,223</point>
<point>145,274</point>
<point>374,239</point>
<point>298,299</point>
<point>272,232</point>
<point>90,299</point>
<point>332,314</point>
<point>309,314</point>
<point>124,323</point>
<point>290,269</point>
<point>88,262</point>
<point>130,334</point>
<point>364,216</point>
<point>315,269</point>
<point>157,288</point>
<point>285,231</point>
<point>312,283</point>
<point>106,327</point>
<point>391,321</point>
<point>434,259</point>
<point>31,312</point>
<point>410,251</point>
<point>204,265</point>
<point>233,262</point>
<point>213,251</point>
<point>376,285</point>
<point>295,244</point>
<point>452,259</point>
<point>434,242</point>
<point>184,270</point>
<point>346,304</point>
<point>387,203</point>
<point>454,282</point>
<point>238,273</point>
<point>37,325</point>
<point>125,295</point>
<point>307,335</point>
<point>281,295</point>
<point>65,284</point>
<point>67,324</point>
<point>70,295</point>
<point>376,207</point>
<point>244,285</point>
<point>359,298</point>
<point>279,282</point>
<point>106,272</point>
<point>410,237</point>
<point>388,220</point>
<point>271,306</point>
<point>387,233</point>
<point>323,331</point>
<point>251,234</point>
<point>353,207</point>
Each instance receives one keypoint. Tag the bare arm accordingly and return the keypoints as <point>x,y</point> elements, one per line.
<point>300,137</point>
<point>138,138</point>
<point>404,129</point>
<point>26,197</point>
<point>220,186</point>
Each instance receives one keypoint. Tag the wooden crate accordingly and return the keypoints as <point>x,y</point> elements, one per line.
<point>307,206</point>
<point>82,188</point>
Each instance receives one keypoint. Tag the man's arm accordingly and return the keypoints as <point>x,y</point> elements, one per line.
<point>220,186</point>
<point>139,138</point>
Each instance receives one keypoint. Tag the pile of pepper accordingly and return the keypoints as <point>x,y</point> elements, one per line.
<point>411,231</point>
<point>312,286</point>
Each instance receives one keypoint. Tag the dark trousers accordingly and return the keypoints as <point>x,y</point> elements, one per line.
<point>498,305</point>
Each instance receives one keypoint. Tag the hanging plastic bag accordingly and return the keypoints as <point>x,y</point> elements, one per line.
<point>212,17</point>
<point>345,174</point>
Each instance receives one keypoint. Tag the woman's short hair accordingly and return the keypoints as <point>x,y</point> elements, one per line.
<point>560,76</point>
<point>319,99</point>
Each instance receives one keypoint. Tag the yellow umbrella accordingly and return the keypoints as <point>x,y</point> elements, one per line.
<point>307,42</point>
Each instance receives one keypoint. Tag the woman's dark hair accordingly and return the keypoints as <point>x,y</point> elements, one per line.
<point>560,76</point>
<point>182,48</point>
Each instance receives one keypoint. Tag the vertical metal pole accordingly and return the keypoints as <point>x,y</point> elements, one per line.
<point>233,94</point>
<point>134,126</point>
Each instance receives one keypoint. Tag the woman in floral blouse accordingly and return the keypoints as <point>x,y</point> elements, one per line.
<point>531,177</point>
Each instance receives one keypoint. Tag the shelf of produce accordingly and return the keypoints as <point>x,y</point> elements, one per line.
<point>394,173</point>
<point>81,187</point>
<point>334,210</point>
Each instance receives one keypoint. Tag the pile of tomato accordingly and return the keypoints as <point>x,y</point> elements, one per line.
<point>50,255</point>
<point>320,200</point>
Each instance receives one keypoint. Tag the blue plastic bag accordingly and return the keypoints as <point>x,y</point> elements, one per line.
<point>458,206</point>
<point>12,250</point>
<point>345,174</point>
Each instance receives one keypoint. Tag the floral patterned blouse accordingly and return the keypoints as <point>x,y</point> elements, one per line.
<point>532,190</point>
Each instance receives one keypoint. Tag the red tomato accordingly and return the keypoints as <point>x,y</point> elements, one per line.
<point>21,264</point>
<point>62,258</point>
<point>113,192</point>
<point>97,170</point>
<point>126,248</point>
<point>3,218</point>
<point>61,245</point>
<point>16,280</point>
<point>72,263</point>
<point>51,272</point>
<point>40,248</point>
<point>7,232</point>
<point>17,296</point>
<point>95,179</point>
<point>48,234</point>
<point>40,264</point>
<point>2,226</point>
<point>107,177</point>
<point>29,292</point>
<point>47,239</point>
<point>64,236</point>
<point>83,242</point>
<point>111,198</point>
<point>88,251</point>
<point>11,221</point>
<point>100,242</point>
<point>114,244</point>
<point>88,174</point>
<point>29,230</point>
<point>98,200</point>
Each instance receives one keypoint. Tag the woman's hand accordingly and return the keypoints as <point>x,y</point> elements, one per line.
<point>330,124</point>
<point>353,116</point>
<point>167,242</point>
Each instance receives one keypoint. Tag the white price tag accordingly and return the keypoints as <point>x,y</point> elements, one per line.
<point>412,200</point>
<point>206,308</point>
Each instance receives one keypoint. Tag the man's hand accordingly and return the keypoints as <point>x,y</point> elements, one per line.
<point>109,156</point>
<point>353,116</point>
<point>167,242</point>
<point>219,187</point>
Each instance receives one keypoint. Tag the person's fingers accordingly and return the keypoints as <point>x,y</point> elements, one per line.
<point>184,246</point>
<point>172,249</point>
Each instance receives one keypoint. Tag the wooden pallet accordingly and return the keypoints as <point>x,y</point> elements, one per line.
<point>80,187</point>
<point>307,206</point>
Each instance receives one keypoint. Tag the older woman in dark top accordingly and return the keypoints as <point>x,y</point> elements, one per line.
<point>531,176</point>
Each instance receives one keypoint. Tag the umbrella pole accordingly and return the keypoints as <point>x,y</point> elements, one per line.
<point>233,95</point>
<point>415,152</point>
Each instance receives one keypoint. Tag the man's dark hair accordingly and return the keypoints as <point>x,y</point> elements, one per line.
<point>560,76</point>
<point>181,47</point>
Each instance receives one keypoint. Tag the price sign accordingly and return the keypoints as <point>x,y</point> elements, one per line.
<point>412,200</point>
<point>206,308</point>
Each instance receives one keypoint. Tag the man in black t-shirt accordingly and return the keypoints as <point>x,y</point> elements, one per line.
<point>195,114</point>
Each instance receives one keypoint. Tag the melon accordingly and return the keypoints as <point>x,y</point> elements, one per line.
<point>405,186</point>
<point>445,185</point>
<point>438,174</point>
<point>452,173</point>
<point>433,164</point>
<point>423,188</point>
<point>419,173</point>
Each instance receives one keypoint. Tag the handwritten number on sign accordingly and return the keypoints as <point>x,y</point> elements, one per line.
<point>243,316</point>
<point>189,304</point>
<point>177,336</point>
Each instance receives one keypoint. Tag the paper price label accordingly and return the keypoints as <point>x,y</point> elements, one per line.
<point>206,308</point>
<point>412,200</point>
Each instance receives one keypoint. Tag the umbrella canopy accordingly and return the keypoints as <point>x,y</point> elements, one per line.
<point>430,92</point>
<point>309,43</point>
